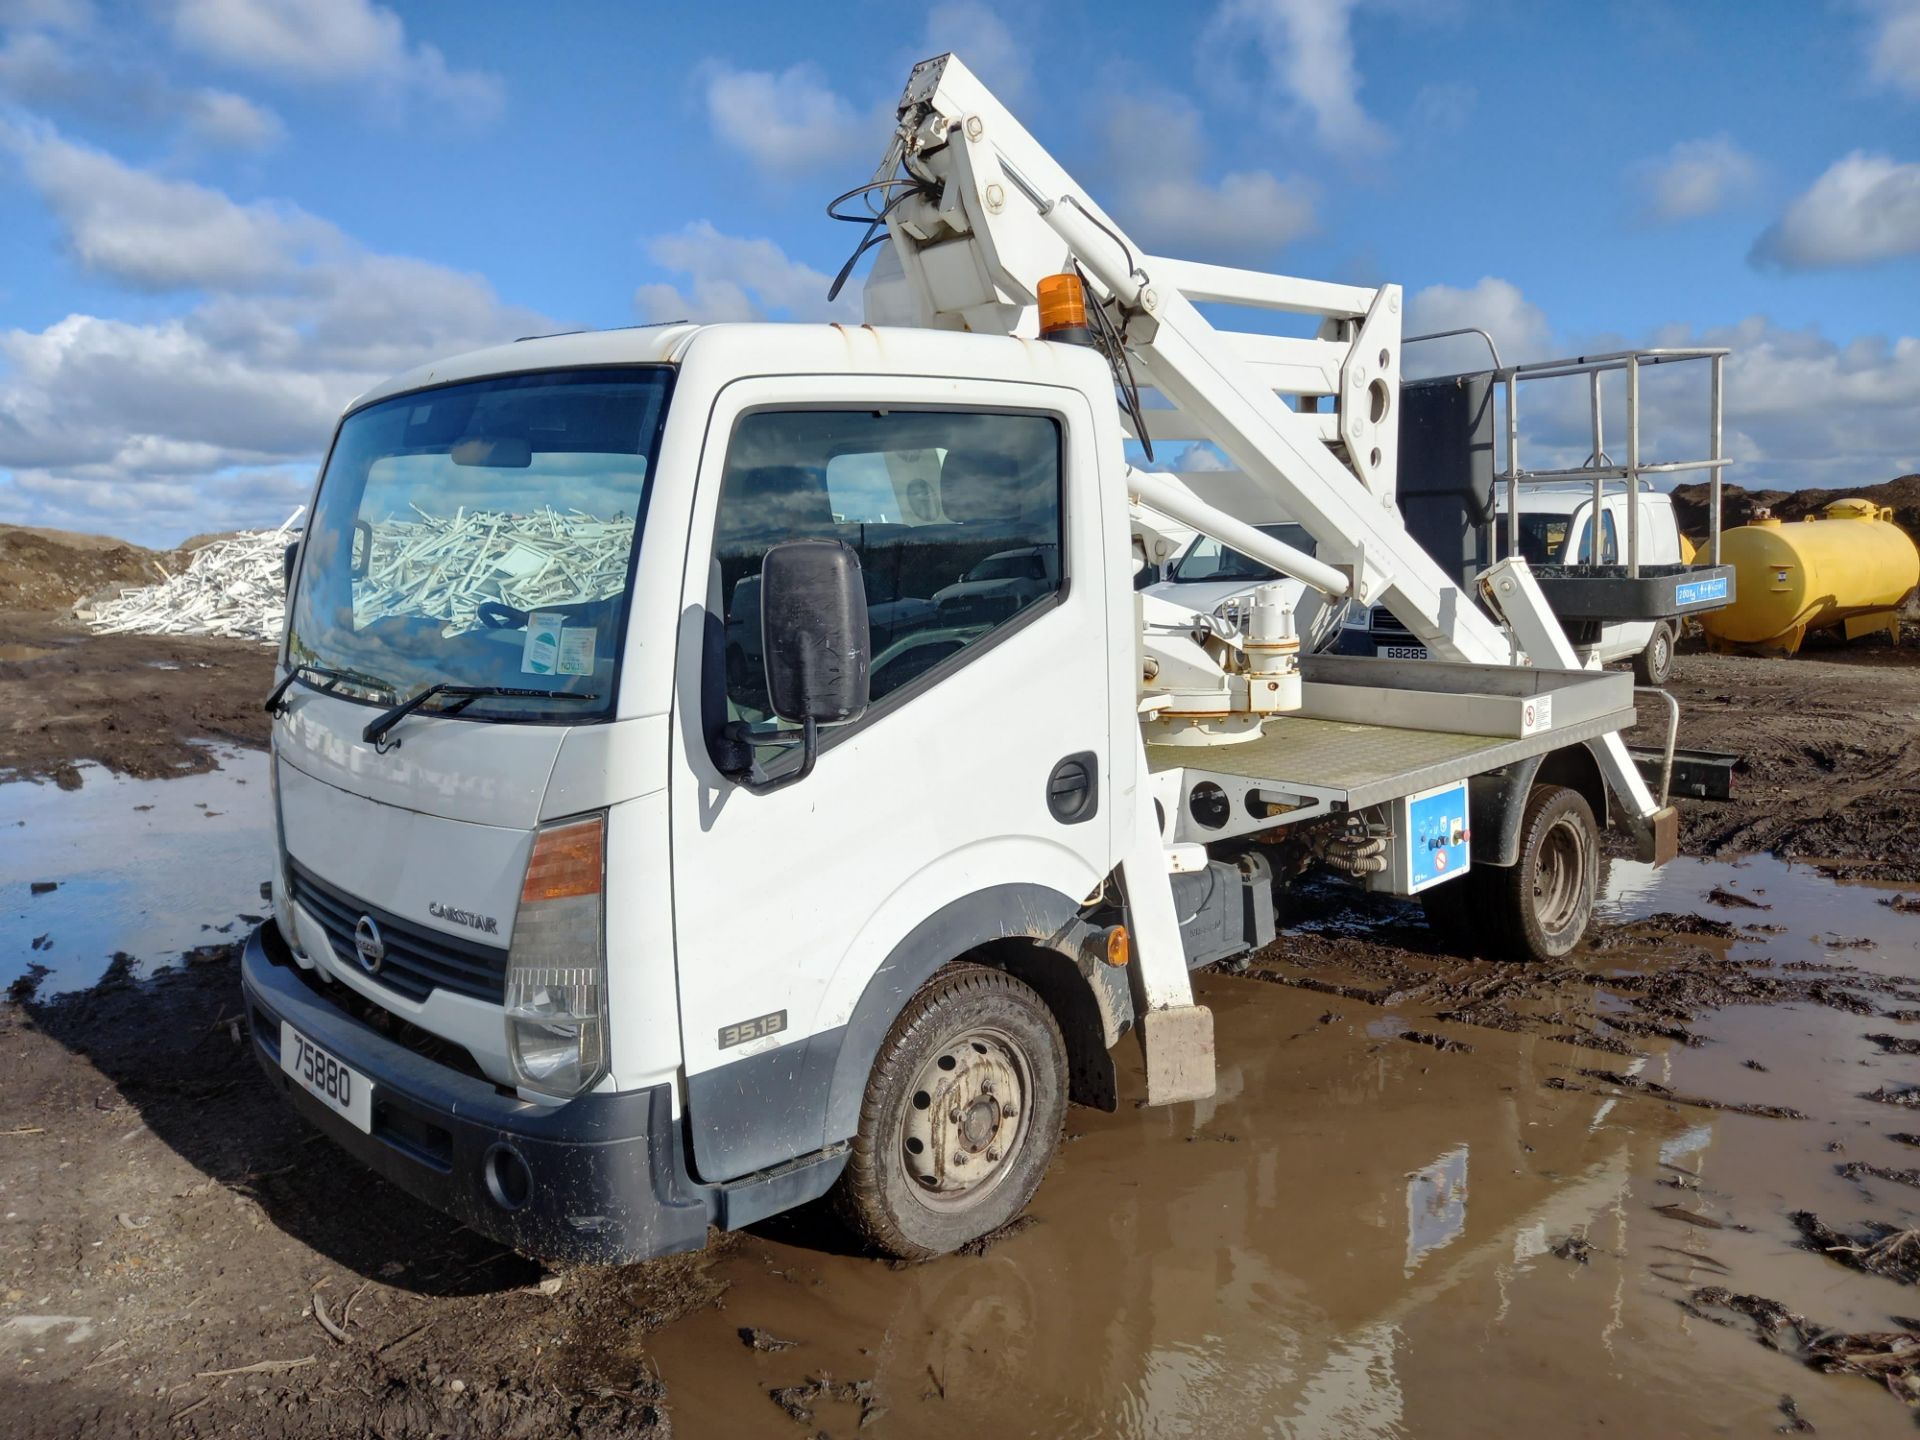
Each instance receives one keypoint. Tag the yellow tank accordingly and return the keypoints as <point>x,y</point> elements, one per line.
<point>1850,570</point>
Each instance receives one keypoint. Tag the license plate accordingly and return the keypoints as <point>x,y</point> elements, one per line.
<point>1405,652</point>
<point>326,1077</point>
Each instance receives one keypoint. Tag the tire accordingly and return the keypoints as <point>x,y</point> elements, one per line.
<point>1654,665</point>
<point>1538,908</point>
<point>940,1158</point>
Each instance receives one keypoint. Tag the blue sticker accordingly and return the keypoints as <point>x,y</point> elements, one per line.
<point>1698,592</point>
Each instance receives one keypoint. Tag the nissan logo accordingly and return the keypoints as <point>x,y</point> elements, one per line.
<point>368,945</point>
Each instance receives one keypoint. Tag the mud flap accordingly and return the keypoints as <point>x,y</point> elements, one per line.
<point>1178,1043</point>
<point>1659,838</point>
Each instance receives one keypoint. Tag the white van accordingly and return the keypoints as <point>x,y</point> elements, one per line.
<point>1556,529</point>
<point>1210,578</point>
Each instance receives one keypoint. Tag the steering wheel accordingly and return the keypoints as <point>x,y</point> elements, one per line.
<point>496,615</point>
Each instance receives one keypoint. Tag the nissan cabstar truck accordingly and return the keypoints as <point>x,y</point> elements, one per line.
<point>718,767</point>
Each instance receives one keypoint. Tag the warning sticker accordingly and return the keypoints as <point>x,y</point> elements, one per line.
<point>541,654</point>
<point>1536,715</point>
<point>576,650</point>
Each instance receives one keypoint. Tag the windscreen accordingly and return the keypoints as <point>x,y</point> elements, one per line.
<point>1207,559</point>
<point>481,534</point>
<point>1543,537</point>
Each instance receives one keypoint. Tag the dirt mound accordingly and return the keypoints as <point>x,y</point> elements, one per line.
<point>51,569</point>
<point>1737,505</point>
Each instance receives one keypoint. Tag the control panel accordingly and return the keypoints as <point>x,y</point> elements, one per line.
<point>1431,840</point>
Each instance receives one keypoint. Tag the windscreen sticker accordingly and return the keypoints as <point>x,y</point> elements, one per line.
<point>576,650</point>
<point>542,650</point>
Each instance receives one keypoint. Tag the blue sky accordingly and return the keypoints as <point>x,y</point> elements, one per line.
<point>226,217</point>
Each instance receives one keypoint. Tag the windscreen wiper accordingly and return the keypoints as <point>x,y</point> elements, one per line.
<point>463,696</point>
<point>332,676</point>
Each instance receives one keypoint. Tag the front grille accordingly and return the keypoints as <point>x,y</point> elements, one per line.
<point>419,961</point>
<point>1382,622</point>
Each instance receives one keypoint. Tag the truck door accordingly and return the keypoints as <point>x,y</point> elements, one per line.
<point>982,547</point>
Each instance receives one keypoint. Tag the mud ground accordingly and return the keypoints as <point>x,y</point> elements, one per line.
<point>1435,1195</point>
<point>134,703</point>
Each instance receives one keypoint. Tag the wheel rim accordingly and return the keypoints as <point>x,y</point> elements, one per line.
<point>1560,878</point>
<point>1662,653</point>
<point>966,1118</point>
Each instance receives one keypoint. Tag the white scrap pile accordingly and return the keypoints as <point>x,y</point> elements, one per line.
<point>231,587</point>
<point>446,567</point>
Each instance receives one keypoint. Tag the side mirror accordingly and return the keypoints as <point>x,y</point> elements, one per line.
<point>813,625</point>
<point>287,558</point>
<point>813,628</point>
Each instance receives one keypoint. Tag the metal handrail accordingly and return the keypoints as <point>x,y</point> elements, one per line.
<point>1673,735</point>
<point>1492,348</point>
<point>1599,468</point>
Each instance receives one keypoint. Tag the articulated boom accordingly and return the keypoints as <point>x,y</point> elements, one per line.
<point>994,213</point>
<point>1008,215</point>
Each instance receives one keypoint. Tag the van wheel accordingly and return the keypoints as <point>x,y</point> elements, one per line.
<point>962,1116</point>
<point>1654,665</point>
<point>1539,907</point>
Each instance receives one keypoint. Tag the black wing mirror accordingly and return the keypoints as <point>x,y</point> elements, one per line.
<point>287,558</point>
<point>813,627</point>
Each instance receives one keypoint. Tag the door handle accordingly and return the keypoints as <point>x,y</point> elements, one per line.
<point>1073,789</point>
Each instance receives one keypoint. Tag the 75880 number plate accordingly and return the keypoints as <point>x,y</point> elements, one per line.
<point>327,1078</point>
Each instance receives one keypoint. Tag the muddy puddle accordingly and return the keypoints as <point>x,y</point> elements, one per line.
<point>1392,1223</point>
<point>151,869</point>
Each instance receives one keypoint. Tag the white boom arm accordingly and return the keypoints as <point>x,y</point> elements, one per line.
<point>995,213</point>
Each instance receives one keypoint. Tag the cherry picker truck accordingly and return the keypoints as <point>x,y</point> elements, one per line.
<point>596,926</point>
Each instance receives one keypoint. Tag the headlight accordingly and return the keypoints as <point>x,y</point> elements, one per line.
<point>557,964</point>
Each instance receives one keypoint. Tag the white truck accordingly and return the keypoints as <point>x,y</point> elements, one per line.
<point>594,940</point>
<point>1556,530</point>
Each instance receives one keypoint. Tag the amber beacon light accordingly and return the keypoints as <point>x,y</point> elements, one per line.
<point>1063,309</point>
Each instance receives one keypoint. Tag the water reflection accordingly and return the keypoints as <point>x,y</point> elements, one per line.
<point>146,868</point>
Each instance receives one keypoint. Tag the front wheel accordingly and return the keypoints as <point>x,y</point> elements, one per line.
<point>1654,665</point>
<point>962,1116</point>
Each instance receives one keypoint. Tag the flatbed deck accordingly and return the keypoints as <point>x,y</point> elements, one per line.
<point>1309,764</point>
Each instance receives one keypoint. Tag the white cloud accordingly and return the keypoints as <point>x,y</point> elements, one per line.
<point>1442,108</point>
<point>1518,326</point>
<point>222,118</point>
<point>214,416</point>
<point>1695,178</point>
<point>89,79</point>
<point>333,42</point>
<point>154,234</point>
<point>1307,46</point>
<point>1158,153</point>
<point>984,44</point>
<point>1893,45</point>
<point>1866,208</point>
<point>790,120</point>
<point>734,278</point>
<point>1800,409</point>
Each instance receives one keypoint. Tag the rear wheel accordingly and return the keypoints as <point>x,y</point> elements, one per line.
<point>1537,908</point>
<point>1543,902</point>
<point>961,1118</point>
<point>1654,665</point>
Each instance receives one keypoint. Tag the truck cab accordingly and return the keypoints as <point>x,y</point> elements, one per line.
<point>570,975</point>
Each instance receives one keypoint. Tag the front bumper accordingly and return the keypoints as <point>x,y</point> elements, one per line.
<point>601,1179</point>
